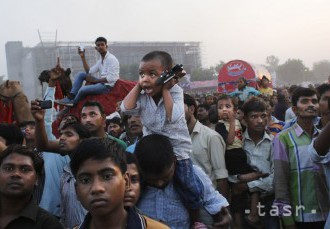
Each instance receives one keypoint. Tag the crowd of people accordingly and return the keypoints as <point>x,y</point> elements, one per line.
<point>165,159</point>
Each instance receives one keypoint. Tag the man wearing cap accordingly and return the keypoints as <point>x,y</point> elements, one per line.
<point>264,86</point>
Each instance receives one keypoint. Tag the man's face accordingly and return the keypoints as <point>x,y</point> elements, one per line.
<point>160,180</point>
<point>92,118</point>
<point>101,47</point>
<point>188,112</point>
<point>256,121</point>
<point>17,176</point>
<point>202,114</point>
<point>132,194</point>
<point>307,107</point>
<point>115,129</point>
<point>134,125</point>
<point>69,140</point>
<point>323,103</point>
<point>100,186</point>
<point>149,72</point>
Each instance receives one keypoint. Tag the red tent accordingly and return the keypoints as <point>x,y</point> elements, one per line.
<point>235,69</point>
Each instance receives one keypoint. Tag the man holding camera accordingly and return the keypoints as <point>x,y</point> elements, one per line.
<point>108,73</point>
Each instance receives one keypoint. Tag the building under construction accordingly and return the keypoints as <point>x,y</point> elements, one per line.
<point>25,64</point>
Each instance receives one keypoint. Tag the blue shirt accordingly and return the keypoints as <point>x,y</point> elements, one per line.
<point>165,205</point>
<point>53,164</point>
<point>245,93</point>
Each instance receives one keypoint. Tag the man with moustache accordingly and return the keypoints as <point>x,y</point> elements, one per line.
<point>301,193</point>
<point>20,170</point>
<point>92,116</point>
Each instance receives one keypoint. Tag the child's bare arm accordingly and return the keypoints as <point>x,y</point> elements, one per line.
<point>231,131</point>
<point>131,97</point>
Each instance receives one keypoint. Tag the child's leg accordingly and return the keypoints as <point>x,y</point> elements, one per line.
<point>254,216</point>
<point>188,184</point>
<point>93,89</point>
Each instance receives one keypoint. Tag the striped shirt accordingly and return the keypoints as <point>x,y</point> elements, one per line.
<point>72,212</point>
<point>299,183</point>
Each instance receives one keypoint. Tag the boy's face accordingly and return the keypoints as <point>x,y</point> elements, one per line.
<point>307,107</point>
<point>17,176</point>
<point>256,121</point>
<point>69,140</point>
<point>224,107</point>
<point>149,72</point>
<point>100,186</point>
<point>132,194</point>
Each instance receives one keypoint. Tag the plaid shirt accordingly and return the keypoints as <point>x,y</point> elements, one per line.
<point>299,182</point>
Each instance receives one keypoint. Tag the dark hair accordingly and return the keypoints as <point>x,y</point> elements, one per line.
<point>25,123</point>
<point>190,101</point>
<point>98,149</point>
<point>154,153</point>
<point>244,80</point>
<point>323,88</point>
<point>79,128</point>
<point>226,97</point>
<point>94,104</point>
<point>292,88</point>
<point>116,120</point>
<point>301,91</point>
<point>11,133</point>
<point>101,39</point>
<point>164,57</point>
<point>213,114</point>
<point>38,162</point>
<point>254,104</point>
<point>205,106</point>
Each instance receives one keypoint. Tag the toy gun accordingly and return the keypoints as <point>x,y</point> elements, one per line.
<point>167,76</point>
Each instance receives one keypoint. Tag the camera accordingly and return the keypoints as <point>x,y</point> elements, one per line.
<point>167,76</point>
<point>46,104</point>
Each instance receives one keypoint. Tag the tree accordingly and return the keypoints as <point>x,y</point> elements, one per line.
<point>200,74</point>
<point>211,73</point>
<point>321,70</point>
<point>272,62</point>
<point>293,71</point>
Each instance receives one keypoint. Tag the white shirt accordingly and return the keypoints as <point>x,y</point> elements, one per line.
<point>108,68</point>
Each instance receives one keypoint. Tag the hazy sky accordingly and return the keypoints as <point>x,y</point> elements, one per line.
<point>231,29</point>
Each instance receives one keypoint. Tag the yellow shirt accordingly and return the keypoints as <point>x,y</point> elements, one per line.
<point>266,91</point>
